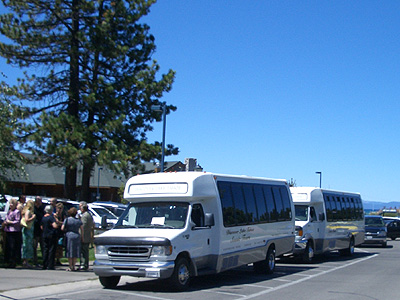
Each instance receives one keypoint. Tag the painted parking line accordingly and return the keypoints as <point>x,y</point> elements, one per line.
<point>307,278</point>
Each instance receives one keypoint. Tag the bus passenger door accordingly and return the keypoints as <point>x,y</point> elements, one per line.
<point>318,227</point>
<point>201,239</point>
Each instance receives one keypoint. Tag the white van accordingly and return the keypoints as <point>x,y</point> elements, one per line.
<point>187,224</point>
<point>4,206</point>
<point>327,220</point>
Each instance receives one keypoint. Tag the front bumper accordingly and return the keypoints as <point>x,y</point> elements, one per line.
<point>368,239</point>
<point>300,246</point>
<point>155,269</point>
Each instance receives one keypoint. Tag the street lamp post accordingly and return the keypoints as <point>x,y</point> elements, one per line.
<point>320,178</point>
<point>162,108</point>
<point>98,183</point>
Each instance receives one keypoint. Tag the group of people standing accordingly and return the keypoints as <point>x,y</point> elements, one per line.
<point>30,224</point>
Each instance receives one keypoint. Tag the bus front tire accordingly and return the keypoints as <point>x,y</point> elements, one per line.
<point>308,254</point>
<point>109,282</point>
<point>181,276</point>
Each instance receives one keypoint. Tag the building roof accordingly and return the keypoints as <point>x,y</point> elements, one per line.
<point>43,174</point>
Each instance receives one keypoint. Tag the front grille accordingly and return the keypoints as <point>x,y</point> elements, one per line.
<point>129,253</point>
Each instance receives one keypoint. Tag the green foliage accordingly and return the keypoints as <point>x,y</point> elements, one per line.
<point>10,159</point>
<point>90,101</point>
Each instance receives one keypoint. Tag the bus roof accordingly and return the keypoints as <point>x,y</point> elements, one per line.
<point>182,184</point>
<point>308,190</point>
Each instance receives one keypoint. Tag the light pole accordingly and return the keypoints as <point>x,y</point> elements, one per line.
<point>320,178</point>
<point>162,108</point>
<point>98,183</point>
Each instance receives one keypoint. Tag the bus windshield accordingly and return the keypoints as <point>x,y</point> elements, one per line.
<point>154,215</point>
<point>301,212</point>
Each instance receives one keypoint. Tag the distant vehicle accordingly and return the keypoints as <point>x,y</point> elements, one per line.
<point>98,212</point>
<point>326,220</point>
<point>4,207</point>
<point>375,230</point>
<point>392,227</point>
<point>116,208</point>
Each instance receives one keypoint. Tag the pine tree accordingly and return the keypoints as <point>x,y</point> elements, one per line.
<point>11,160</point>
<point>91,96</point>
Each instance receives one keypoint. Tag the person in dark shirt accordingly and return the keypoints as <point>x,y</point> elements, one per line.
<point>37,231</point>
<point>49,226</point>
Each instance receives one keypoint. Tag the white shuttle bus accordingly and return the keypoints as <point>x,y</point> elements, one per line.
<point>185,224</point>
<point>327,220</point>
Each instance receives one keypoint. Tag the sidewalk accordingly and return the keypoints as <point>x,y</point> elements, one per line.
<point>24,278</point>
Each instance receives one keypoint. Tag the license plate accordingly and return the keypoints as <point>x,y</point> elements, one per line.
<point>153,273</point>
<point>369,237</point>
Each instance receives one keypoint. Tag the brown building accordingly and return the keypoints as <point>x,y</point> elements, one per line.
<point>48,181</point>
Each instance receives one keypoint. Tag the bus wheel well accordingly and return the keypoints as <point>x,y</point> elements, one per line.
<point>186,255</point>
<point>309,252</point>
<point>266,266</point>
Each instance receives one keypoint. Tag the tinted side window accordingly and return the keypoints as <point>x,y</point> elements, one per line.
<point>339,215</point>
<point>286,203</point>
<point>273,215</point>
<point>239,204</point>
<point>261,205</point>
<point>352,209</point>
<point>252,215</point>
<point>344,208</point>
<point>328,207</point>
<point>228,210</point>
<point>278,203</point>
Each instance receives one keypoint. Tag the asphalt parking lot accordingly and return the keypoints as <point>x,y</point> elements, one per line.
<point>372,273</point>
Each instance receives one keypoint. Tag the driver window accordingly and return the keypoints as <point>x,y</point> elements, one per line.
<point>197,215</point>
<point>313,216</point>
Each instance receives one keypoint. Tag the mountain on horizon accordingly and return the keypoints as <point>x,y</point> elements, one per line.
<point>376,205</point>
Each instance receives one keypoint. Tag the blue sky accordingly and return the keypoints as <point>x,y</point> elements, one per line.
<point>282,89</point>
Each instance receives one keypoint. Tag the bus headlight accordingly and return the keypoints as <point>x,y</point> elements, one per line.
<point>161,251</point>
<point>99,249</point>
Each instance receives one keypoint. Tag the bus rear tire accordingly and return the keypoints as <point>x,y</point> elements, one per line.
<point>109,282</point>
<point>348,251</point>
<point>266,266</point>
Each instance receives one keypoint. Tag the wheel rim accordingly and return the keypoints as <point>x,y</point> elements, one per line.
<point>183,274</point>
<point>271,261</point>
<point>310,253</point>
<point>352,247</point>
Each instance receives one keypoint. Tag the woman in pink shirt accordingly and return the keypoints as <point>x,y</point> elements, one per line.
<point>12,227</point>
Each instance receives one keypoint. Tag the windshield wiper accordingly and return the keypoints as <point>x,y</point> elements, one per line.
<point>126,226</point>
<point>156,226</point>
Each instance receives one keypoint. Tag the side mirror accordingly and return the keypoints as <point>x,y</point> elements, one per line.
<point>104,222</point>
<point>209,220</point>
<point>321,216</point>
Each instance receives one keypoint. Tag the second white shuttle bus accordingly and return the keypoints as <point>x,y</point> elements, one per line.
<point>186,224</point>
<point>327,220</point>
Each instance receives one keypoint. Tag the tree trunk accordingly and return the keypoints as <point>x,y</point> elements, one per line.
<point>73,101</point>
<point>70,183</point>
<point>86,175</point>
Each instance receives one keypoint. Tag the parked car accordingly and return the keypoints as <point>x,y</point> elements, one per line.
<point>116,208</point>
<point>98,212</point>
<point>393,227</point>
<point>375,230</point>
<point>4,207</point>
